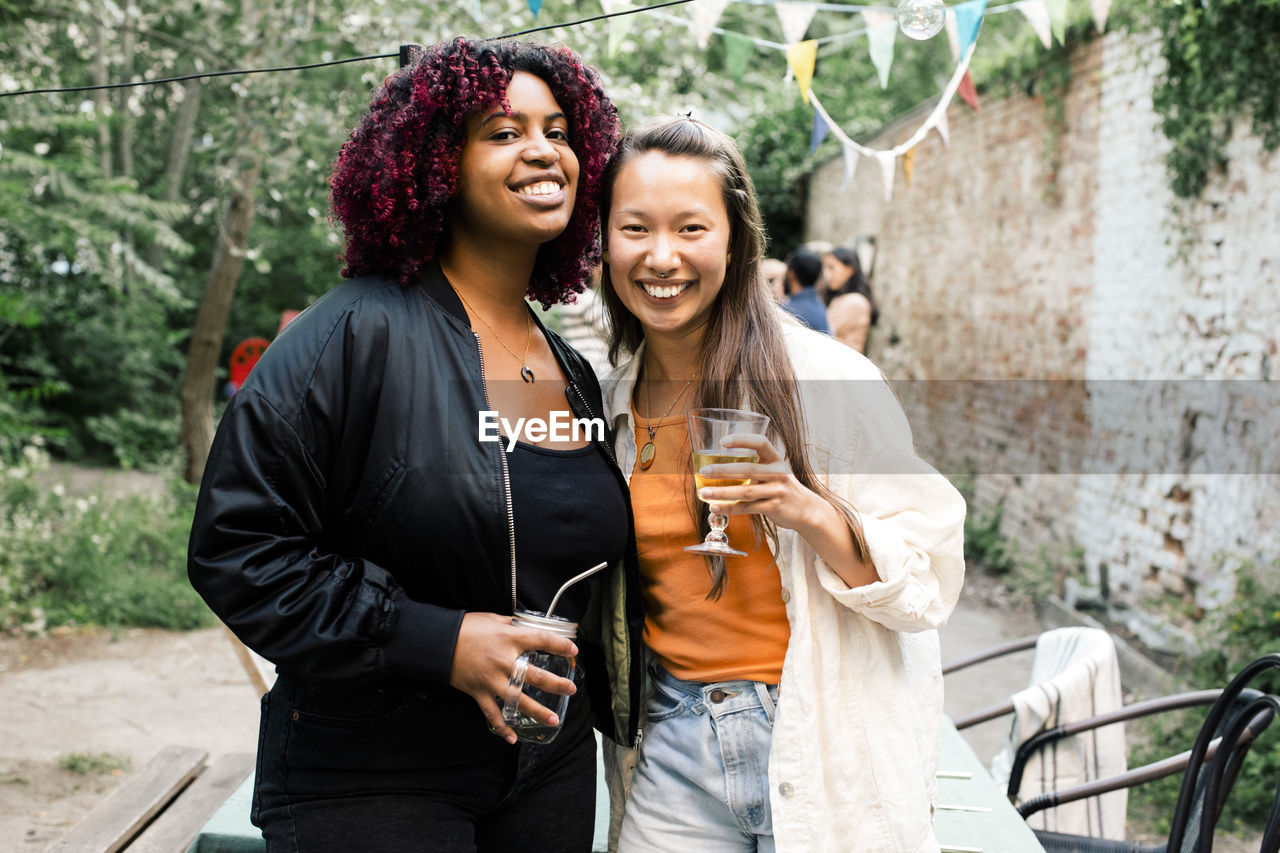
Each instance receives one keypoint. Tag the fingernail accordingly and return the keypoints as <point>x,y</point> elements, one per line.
<point>706,494</point>
<point>553,720</point>
<point>573,650</point>
<point>511,739</point>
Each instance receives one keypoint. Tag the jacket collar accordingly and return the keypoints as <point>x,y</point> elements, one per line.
<point>617,389</point>
<point>438,290</point>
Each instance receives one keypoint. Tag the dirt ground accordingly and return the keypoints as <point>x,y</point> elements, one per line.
<point>125,695</point>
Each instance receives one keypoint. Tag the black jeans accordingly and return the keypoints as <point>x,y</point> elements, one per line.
<point>374,770</point>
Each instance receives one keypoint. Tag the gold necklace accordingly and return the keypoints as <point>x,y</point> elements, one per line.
<point>649,451</point>
<point>525,373</point>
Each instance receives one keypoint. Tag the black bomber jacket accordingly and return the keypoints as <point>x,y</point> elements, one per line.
<point>349,515</point>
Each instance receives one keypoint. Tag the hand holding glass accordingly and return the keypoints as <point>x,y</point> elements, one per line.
<point>707,430</point>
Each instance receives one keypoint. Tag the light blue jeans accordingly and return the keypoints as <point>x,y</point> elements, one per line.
<point>702,779</point>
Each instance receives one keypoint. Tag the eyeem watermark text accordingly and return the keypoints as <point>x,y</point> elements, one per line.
<point>562,427</point>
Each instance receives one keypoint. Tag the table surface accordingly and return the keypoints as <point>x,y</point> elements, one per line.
<point>995,828</point>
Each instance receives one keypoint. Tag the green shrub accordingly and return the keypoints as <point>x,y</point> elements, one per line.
<point>68,559</point>
<point>1239,631</point>
<point>137,440</point>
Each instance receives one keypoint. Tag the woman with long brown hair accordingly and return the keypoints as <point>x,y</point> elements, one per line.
<point>795,693</point>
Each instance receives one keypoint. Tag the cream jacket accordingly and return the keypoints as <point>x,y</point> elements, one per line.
<point>855,741</point>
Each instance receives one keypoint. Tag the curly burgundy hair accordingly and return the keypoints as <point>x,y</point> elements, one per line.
<point>394,177</point>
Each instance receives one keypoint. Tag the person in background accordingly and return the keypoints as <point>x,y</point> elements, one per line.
<point>354,526</point>
<point>775,272</point>
<point>851,311</point>
<point>804,271</point>
<point>801,708</point>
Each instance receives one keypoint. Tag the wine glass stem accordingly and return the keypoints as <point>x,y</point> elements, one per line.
<point>718,522</point>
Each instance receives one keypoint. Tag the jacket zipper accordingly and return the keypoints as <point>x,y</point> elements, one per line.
<point>506,478</point>
<point>591,412</point>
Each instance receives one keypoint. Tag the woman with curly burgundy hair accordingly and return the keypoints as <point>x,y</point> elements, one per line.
<point>416,458</point>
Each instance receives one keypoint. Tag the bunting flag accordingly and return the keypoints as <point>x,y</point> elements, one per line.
<point>850,165</point>
<point>795,19</point>
<point>908,163</point>
<point>953,38</point>
<point>706,14</point>
<point>968,20</point>
<point>935,119</point>
<point>737,50</point>
<point>968,91</point>
<point>1057,18</point>
<point>535,6</point>
<point>1101,8</point>
<point>1037,16</point>
<point>888,163</point>
<point>944,130</point>
<point>882,28</point>
<point>820,131</point>
<point>800,60</point>
<point>619,27</point>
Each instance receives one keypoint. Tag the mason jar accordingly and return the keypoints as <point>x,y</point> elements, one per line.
<point>527,728</point>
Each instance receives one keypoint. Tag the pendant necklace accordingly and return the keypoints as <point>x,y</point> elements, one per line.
<point>525,373</point>
<point>649,451</point>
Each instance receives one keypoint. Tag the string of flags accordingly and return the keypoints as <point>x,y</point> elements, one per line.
<point>880,25</point>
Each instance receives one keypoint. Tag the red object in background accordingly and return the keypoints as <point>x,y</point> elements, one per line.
<point>285,318</point>
<point>244,357</point>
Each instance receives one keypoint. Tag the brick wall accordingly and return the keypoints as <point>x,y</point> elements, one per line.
<point>1078,319</point>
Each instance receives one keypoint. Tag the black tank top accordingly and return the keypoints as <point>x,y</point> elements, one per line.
<point>570,514</point>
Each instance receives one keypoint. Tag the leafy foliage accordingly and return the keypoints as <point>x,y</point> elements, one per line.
<point>69,559</point>
<point>1244,627</point>
<point>1221,65</point>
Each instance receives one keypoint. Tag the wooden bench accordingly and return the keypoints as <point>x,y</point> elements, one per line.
<point>162,807</point>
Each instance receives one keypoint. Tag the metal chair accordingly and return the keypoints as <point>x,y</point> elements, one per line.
<point>1238,716</point>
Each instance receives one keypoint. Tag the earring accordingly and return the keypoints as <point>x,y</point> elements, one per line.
<point>604,256</point>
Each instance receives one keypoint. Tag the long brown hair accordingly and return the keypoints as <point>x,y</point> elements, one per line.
<point>743,355</point>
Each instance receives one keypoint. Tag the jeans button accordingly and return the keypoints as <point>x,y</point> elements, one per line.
<point>786,789</point>
<point>717,696</point>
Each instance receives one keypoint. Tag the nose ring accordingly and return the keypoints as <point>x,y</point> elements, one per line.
<point>664,275</point>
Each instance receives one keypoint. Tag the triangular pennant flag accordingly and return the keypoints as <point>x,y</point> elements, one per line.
<point>882,27</point>
<point>968,20</point>
<point>534,6</point>
<point>968,91</point>
<point>908,163</point>
<point>820,131</point>
<point>800,60</point>
<point>1101,8</point>
<point>953,38</point>
<point>1057,18</point>
<point>1038,17</point>
<point>850,165</point>
<point>887,165</point>
<point>737,50</point>
<point>944,130</point>
<point>706,14</point>
<point>619,26</point>
<point>795,19</point>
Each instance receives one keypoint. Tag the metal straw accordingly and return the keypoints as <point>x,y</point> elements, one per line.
<point>570,582</point>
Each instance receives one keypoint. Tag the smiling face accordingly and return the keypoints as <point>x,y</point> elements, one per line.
<point>518,177</point>
<point>667,235</point>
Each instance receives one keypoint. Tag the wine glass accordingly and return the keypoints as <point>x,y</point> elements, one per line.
<point>707,428</point>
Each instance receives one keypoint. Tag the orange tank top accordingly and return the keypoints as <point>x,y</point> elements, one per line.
<point>744,634</point>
